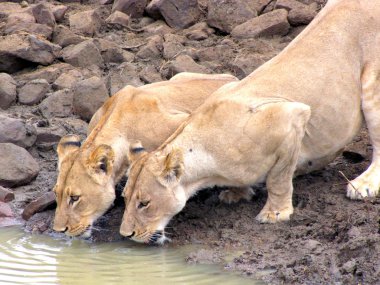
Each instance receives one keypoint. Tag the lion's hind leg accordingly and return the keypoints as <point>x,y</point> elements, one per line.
<point>368,183</point>
<point>279,184</point>
<point>236,194</point>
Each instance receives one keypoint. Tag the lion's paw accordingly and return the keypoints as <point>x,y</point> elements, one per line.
<point>363,186</point>
<point>271,217</point>
<point>234,195</point>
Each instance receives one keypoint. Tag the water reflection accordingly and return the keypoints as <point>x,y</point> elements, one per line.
<point>36,259</point>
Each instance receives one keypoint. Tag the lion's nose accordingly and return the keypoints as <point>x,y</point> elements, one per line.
<point>62,230</point>
<point>131,235</point>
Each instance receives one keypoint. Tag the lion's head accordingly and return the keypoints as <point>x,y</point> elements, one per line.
<point>85,185</point>
<point>153,195</point>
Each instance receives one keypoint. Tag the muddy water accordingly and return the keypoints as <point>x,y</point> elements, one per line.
<point>36,259</point>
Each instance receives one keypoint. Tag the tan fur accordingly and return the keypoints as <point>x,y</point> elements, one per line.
<point>150,114</point>
<point>297,111</point>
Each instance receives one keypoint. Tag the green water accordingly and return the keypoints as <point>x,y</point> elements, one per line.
<point>36,259</point>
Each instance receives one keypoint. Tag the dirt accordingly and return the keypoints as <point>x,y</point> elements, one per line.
<point>329,240</point>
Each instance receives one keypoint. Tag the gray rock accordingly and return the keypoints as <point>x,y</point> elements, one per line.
<point>49,73</point>
<point>124,74</point>
<point>33,92</point>
<point>226,15</point>
<point>64,37</point>
<point>184,63</point>
<point>173,46</point>
<point>31,28</point>
<point>43,14</point>
<point>59,12</point>
<point>133,8</point>
<point>16,49</point>
<point>87,22</point>
<point>199,31</point>
<point>260,5</point>
<point>245,64</point>
<point>177,13</point>
<point>89,96</point>
<point>289,4</point>
<point>8,91</point>
<point>83,54</point>
<point>150,74</point>
<point>58,104</point>
<point>8,8</point>
<point>157,28</point>
<point>118,18</point>
<point>17,166</point>
<point>266,25</point>
<point>50,134</point>
<point>303,16</point>
<point>17,132</point>
<point>111,52</point>
<point>67,79</point>
<point>152,49</point>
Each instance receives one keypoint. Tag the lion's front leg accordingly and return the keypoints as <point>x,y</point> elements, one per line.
<point>368,183</point>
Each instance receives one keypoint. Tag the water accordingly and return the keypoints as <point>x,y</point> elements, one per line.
<point>36,259</point>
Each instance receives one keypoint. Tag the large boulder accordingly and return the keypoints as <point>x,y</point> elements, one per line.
<point>33,92</point>
<point>64,37</point>
<point>177,13</point>
<point>266,25</point>
<point>43,14</point>
<point>58,104</point>
<point>8,91</point>
<point>83,54</point>
<point>17,166</point>
<point>227,14</point>
<point>18,49</point>
<point>133,8</point>
<point>87,22</point>
<point>89,96</point>
<point>17,132</point>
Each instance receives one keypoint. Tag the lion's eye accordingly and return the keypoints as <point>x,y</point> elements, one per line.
<point>73,199</point>
<point>143,204</point>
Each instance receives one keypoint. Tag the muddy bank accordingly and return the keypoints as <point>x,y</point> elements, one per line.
<point>43,97</point>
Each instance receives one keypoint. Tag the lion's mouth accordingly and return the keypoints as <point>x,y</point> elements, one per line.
<point>158,238</point>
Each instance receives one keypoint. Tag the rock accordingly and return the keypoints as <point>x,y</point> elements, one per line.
<point>199,31</point>
<point>17,132</point>
<point>158,28</point>
<point>5,210</point>
<point>8,8</point>
<point>226,15</point>
<point>38,205</point>
<point>17,166</point>
<point>83,54</point>
<point>20,17</point>
<point>266,25</point>
<point>8,91</point>
<point>43,14</point>
<point>245,64</point>
<point>31,28</point>
<point>49,73</point>
<point>184,63</point>
<point>50,134</point>
<point>153,11</point>
<point>124,74</point>
<point>6,195</point>
<point>133,8</point>
<point>214,53</point>
<point>33,92</point>
<point>59,12</point>
<point>87,22</point>
<point>67,79</point>
<point>58,104</point>
<point>111,52</point>
<point>16,50</point>
<point>118,18</point>
<point>299,13</point>
<point>74,126</point>
<point>173,46</point>
<point>89,96</point>
<point>303,16</point>
<point>260,5</point>
<point>177,13</point>
<point>349,266</point>
<point>149,75</point>
<point>152,49</point>
<point>64,37</point>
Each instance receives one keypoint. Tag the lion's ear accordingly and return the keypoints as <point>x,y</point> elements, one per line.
<point>101,159</point>
<point>173,168</point>
<point>67,146</point>
<point>136,150</point>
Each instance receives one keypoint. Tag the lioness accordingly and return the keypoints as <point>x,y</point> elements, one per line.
<point>297,111</point>
<point>88,173</point>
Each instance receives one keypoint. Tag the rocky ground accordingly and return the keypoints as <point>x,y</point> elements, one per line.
<point>60,60</point>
